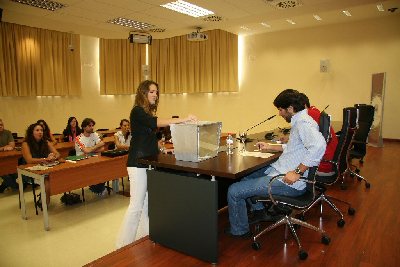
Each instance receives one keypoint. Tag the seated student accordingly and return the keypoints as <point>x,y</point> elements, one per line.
<point>123,137</point>
<point>36,148</point>
<point>89,142</point>
<point>304,149</point>
<point>6,144</point>
<point>325,168</point>
<point>46,132</point>
<point>72,130</point>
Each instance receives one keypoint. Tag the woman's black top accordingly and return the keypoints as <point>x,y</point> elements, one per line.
<point>38,150</point>
<point>144,140</point>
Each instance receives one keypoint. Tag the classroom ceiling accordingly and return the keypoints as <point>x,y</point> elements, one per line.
<point>89,17</point>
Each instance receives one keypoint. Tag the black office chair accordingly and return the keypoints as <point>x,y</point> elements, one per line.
<point>288,207</point>
<point>339,164</point>
<point>359,147</point>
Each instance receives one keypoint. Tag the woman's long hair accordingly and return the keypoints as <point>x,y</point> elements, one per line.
<point>46,130</point>
<point>40,148</point>
<point>141,99</point>
<point>68,129</point>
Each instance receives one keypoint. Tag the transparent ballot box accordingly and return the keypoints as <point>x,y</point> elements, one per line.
<point>196,141</point>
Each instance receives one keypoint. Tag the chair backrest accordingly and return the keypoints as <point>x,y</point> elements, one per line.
<point>325,125</point>
<point>365,120</point>
<point>349,127</point>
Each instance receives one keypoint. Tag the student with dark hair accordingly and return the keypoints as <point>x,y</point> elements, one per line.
<point>123,137</point>
<point>46,132</point>
<point>89,142</point>
<point>305,149</point>
<point>72,130</point>
<point>144,123</point>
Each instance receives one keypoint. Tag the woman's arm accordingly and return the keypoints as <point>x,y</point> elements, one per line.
<point>166,122</point>
<point>26,153</point>
<point>53,155</point>
<point>118,144</point>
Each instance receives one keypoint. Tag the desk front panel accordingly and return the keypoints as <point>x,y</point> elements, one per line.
<point>95,170</point>
<point>9,162</point>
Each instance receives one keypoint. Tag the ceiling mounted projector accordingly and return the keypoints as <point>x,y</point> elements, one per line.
<point>197,36</point>
<point>140,38</point>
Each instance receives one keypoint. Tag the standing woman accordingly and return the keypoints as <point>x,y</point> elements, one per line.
<point>72,130</point>
<point>144,143</point>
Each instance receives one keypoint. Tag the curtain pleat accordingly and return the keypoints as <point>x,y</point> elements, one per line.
<point>120,66</point>
<point>181,66</point>
<point>37,62</point>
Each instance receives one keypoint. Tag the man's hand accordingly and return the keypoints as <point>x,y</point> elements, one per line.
<point>291,177</point>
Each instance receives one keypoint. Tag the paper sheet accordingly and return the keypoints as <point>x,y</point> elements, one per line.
<point>256,154</point>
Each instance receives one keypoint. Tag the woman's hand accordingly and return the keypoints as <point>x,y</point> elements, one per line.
<point>262,145</point>
<point>191,118</point>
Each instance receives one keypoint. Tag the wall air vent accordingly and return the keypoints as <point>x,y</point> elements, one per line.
<point>283,4</point>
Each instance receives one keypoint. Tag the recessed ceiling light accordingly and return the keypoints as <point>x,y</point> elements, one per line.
<point>380,7</point>
<point>187,9</point>
<point>347,13</point>
<point>317,17</point>
<point>291,21</point>
<point>131,23</point>
<point>45,4</point>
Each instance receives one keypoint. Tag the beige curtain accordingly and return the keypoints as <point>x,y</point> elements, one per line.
<point>181,66</point>
<point>38,62</point>
<point>120,66</point>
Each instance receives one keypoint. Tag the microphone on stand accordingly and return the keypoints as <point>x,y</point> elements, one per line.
<point>260,123</point>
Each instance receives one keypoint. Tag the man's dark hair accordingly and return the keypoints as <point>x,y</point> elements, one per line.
<point>305,100</point>
<point>289,97</point>
<point>86,122</point>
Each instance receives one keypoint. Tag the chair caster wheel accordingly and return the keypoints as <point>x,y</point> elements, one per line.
<point>325,240</point>
<point>357,171</point>
<point>367,185</point>
<point>256,245</point>
<point>351,175</point>
<point>359,179</point>
<point>343,186</point>
<point>341,223</point>
<point>351,211</point>
<point>303,255</point>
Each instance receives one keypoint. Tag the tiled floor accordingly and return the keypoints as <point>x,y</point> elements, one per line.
<point>78,234</point>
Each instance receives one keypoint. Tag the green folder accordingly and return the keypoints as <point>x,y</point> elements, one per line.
<point>76,158</point>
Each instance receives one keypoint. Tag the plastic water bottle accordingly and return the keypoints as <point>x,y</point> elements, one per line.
<point>229,144</point>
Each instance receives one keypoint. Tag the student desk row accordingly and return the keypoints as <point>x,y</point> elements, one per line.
<point>9,159</point>
<point>70,176</point>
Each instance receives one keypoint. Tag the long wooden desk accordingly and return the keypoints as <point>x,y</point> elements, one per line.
<point>9,161</point>
<point>183,199</point>
<point>70,176</point>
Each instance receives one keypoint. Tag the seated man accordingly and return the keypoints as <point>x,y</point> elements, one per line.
<point>88,142</point>
<point>304,149</point>
<point>6,144</point>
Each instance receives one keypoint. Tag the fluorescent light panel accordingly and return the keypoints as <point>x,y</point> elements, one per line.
<point>347,13</point>
<point>317,17</point>
<point>131,23</point>
<point>187,9</point>
<point>245,28</point>
<point>265,25</point>
<point>380,7</point>
<point>45,4</point>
